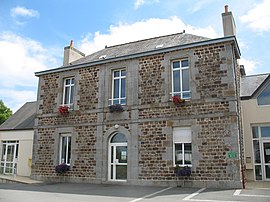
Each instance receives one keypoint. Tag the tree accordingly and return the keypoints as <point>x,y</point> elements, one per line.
<point>5,112</point>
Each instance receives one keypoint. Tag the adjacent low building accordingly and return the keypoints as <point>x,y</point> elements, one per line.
<point>16,141</point>
<point>255,102</point>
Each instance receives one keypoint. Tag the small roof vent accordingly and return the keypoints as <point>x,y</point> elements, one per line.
<point>159,46</point>
<point>102,57</point>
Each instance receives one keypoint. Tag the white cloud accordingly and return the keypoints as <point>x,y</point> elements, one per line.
<point>139,3</point>
<point>153,27</point>
<point>19,59</point>
<point>21,11</point>
<point>249,65</point>
<point>258,18</point>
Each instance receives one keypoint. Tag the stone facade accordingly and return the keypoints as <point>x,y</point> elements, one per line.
<point>147,121</point>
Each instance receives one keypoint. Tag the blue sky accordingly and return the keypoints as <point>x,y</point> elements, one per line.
<point>33,33</point>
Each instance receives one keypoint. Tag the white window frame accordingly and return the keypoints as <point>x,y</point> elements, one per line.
<point>180,69</point>
<point>70,102</point>
<point>263,105</point>
<point>187,139</point>
<point>120,78</point>
<point>66,159</point>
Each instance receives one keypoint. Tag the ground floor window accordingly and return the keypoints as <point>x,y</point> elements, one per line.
<point>261,152</point>
<point>9,157</point>
<point>182,146</point>
<point>65,148</point>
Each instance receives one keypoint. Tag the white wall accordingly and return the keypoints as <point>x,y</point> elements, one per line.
<point>25,138</point>
<point>252,115</point>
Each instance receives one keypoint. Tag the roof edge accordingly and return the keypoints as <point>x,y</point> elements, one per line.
<point>151,52</point>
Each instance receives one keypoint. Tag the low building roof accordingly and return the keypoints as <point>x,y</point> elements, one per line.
<point>250,84</point>
<point>23,119</point>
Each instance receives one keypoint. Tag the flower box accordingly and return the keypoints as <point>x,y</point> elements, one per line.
<point>63,110</point>
<point>177,100</point>
<point>116,108</point>
<point>62,168</point>
<point>182,171</point>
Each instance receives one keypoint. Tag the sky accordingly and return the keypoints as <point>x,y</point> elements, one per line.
<point>33,33</point>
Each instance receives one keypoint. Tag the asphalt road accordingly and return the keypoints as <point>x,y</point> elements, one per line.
<point>67,192</point>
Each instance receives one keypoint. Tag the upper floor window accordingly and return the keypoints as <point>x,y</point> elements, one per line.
<point>264,97</point>
<point>119,87</point>
<point>65,148</point>
<point>68,92</point>
<point>180,78</point>
<point>182,147</point>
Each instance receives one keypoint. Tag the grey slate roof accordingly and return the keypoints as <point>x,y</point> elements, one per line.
<point>249,84</point>
<point>142,46</point>
<point>22,119</point>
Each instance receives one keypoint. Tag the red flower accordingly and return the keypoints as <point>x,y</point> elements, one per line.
<point>63,110</point>
<point>177,99</point>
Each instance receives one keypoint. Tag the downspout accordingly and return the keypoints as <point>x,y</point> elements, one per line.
<point>239,122</point>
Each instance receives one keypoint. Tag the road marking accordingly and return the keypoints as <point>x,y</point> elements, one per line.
<point>150,195</point>
<point>249,195</point>
<point>194,194</point>
<point>237,192</point>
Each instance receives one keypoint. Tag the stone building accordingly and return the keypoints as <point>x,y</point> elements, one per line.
<point>122,125</point>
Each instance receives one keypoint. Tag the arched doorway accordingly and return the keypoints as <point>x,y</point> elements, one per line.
<point>117,158</point>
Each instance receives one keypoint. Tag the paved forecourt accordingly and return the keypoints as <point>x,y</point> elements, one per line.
<point>68,192</point>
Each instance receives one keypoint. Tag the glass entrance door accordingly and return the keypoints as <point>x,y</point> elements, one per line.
<point>9,157</point>
<point>266,155</point>
<point>118,157</point>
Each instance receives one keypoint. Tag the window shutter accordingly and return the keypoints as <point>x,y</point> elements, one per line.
<point>182,135</point>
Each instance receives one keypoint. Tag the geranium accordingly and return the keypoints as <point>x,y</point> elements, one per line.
<point>177,99</point>
<point>63,109</point>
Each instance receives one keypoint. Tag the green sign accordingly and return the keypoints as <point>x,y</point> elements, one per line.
<point>232,155</point>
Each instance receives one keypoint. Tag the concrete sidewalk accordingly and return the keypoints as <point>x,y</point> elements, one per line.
<point>258,185</point>
<point>28,180</point>
<point>17,179</point>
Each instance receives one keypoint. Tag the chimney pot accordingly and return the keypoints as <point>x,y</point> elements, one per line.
<point>226,8</point>
<point>71,44</point>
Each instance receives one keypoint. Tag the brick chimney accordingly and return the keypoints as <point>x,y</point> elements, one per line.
<point>229,28</point>
<point>71,54</point>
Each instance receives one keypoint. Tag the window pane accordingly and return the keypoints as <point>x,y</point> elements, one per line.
<point>256,149</point>
<point>123,73</point>
<point>258,172</point>
<point>178,154</point>
<point>184,63</point>
<point>72,81</point>
<point>265,131</point>
<point>264,97</point>
<point>188,152</point>
<point>66,101</point>
<point>123,88</point>
<point>255,132</point>
<point>116,74</point>
<point>71,95</point>
<point>63,149</point>
<point>121,172</point>
<point>176,81</point>
<point>69,150</point>
<point>116,89</point>
<point>186,95</point>
<point>67,81</point>
<point>185,77</point>
<point>176,64</point>
<point>119,137</point>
